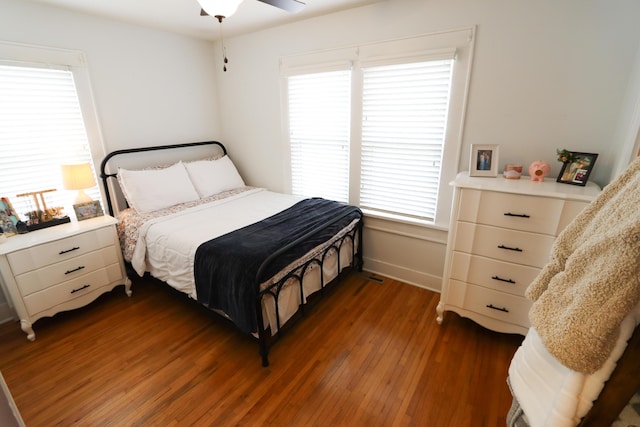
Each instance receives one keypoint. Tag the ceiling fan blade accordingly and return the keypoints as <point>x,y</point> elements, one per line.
<point>292,6</point>
<point>203,13</point>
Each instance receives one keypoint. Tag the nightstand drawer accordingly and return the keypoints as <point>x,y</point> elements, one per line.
<point>506,245</point>
<point>491,273</point>
<point>497,305</point>
<point>75,288</point>
<point>516,212</point>
<point>60,250</point>
<point>42,278</point>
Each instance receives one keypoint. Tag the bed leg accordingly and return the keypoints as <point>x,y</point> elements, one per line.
<point>262,335</point>
<point>265,357</point>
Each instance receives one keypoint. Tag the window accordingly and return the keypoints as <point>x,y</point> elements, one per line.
<point>393,118</point>
<point>404,116</point>
<point>319,134</point>
<point>42,127</point>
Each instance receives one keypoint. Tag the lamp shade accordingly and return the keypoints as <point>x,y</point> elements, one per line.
<point>78,177</point>
<point>224,8</point>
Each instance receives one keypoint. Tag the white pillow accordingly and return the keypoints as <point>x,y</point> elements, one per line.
<point>152,189</point>
<point>211,177</point>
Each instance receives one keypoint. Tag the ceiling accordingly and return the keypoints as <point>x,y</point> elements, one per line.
<point>183,16</point>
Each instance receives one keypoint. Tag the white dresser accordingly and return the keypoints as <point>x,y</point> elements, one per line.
<point>61,268</point>
<point>500,236</point>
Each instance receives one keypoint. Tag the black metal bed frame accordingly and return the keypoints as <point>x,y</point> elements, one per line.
<point>265,339</point>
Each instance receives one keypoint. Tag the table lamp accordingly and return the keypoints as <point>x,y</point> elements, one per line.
<point>78,177</point>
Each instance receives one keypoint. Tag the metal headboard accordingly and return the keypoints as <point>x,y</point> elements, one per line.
<point>106,176</point>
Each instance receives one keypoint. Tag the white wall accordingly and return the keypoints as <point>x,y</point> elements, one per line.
<point>546,75</point>
<point>628,130</point>
<point>149,87</point>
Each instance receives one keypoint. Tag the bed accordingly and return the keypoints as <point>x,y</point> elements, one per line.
<point>254,257</point>
<point>547,393</point>
<point>579,363</point>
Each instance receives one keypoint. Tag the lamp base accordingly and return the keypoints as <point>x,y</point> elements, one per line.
<point>82,197</point>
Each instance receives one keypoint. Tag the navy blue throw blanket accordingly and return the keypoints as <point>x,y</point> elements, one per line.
<point>225,268</point>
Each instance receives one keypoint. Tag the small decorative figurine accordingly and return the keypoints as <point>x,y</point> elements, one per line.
<point>538,170</point>
<point>512,171</point>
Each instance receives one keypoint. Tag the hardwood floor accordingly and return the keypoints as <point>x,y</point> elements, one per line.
<point>369,354</point>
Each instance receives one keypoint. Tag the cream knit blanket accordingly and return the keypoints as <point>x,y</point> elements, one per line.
<point>593,277</point>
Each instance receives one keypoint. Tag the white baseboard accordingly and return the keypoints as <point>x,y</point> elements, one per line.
<point>411,277</point>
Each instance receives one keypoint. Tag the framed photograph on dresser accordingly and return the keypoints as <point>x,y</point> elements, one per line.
<point>484,160</point>
<point>577,171</point>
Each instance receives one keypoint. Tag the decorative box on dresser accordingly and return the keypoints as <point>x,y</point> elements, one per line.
<point>500,237</point>
<point>61,268</point>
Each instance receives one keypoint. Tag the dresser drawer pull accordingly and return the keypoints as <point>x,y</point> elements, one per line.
<point>80,267</point>
<point>503,280</point>
<point>80,288</point>
<point>517,215</point>
<point>509,249</point>
<point>75,248</point>
<point>491,306</point>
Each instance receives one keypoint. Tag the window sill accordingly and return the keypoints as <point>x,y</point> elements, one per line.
<point>403,220</point>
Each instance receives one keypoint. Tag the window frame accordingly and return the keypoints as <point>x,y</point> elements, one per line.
<point>426,46</point>
<point>25,55</point>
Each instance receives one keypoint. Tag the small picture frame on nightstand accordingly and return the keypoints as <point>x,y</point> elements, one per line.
<point>88,210</point>
<point>8,218</point>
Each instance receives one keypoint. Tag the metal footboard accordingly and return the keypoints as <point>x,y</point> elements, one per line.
<point>354,235</point>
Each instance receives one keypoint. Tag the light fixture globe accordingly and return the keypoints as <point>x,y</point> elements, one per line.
<point>220,8</point>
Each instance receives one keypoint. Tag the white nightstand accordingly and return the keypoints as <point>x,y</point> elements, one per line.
<point>61,268</point>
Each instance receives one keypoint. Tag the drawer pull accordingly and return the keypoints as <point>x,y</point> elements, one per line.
<point>80,288</point>
<point>509,249</point>
<point>75,248</point>
<point>517,215</point>
<point>491,306</point>
<point>80,267</point>
<point>503,280</point>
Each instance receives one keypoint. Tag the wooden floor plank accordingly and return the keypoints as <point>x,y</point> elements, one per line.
<point>370,354</point>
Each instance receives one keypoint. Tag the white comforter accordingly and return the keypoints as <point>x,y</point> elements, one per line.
<point>167,245</point>
<point>553,395</point>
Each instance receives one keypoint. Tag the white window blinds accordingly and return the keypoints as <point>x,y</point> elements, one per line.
<point>319,124</point>
<point>41,128</point>
<point>407,109</point>
<point>404,117</point>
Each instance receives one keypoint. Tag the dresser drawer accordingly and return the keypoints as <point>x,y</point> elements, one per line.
<point>487,302</point>
<point>71,289</point>
<point>36,280</point>
<point>517,212</point>
<point>502,244</point>
<point>60,250</point>
<point>491,273</point>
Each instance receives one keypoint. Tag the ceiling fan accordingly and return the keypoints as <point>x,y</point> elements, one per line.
<point>221,9</point>
<point>224,8</point>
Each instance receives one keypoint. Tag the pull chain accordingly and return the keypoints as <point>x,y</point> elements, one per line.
<point>224,49</point>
